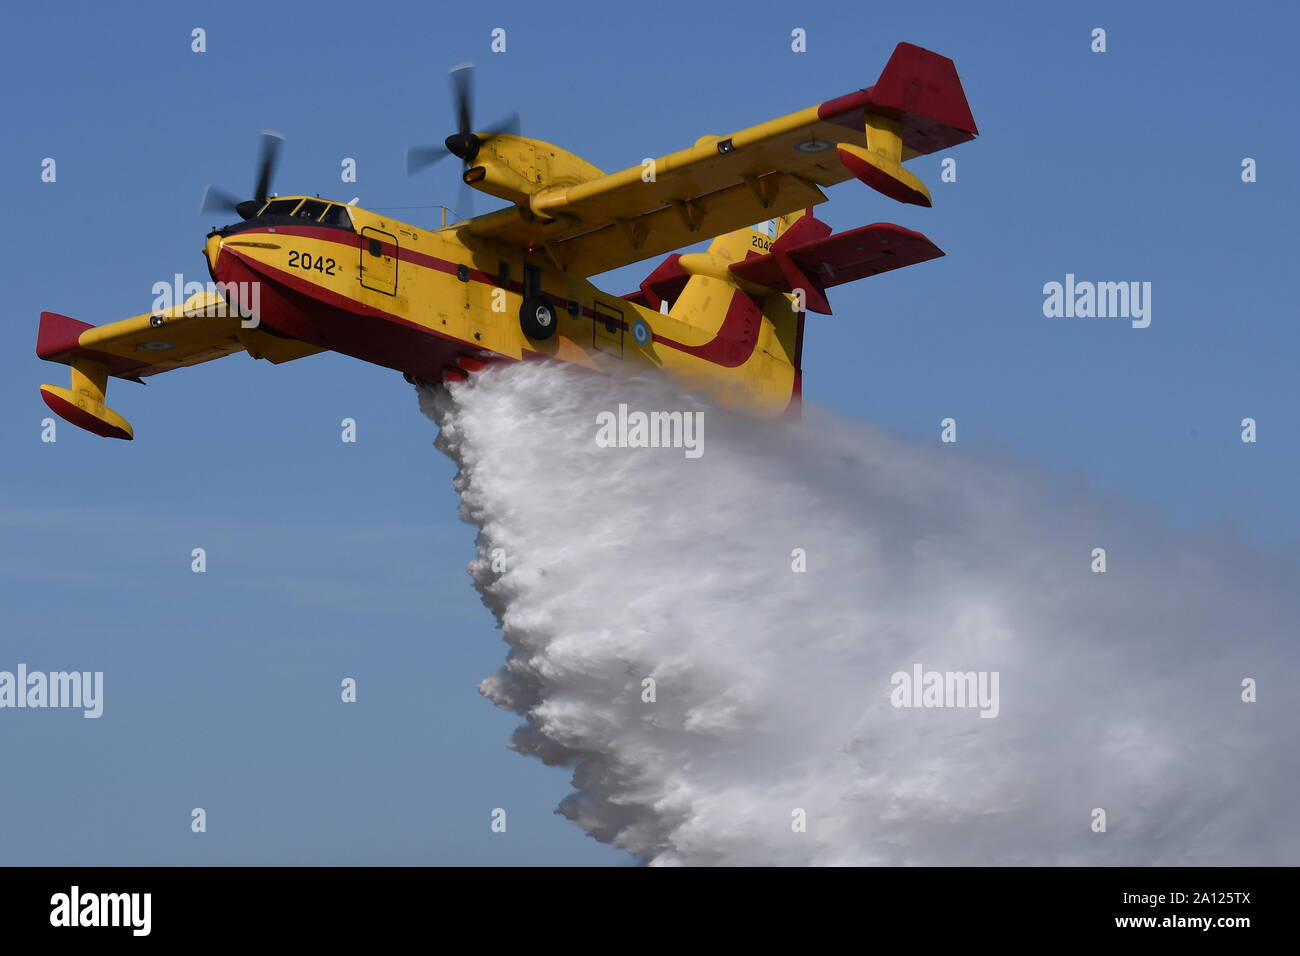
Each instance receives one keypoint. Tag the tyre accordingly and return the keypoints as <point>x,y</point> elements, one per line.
<point>537,318</point>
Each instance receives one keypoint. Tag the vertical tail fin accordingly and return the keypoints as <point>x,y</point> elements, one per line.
<point>786,222</point>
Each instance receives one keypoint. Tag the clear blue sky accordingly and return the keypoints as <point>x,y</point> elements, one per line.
<point>329,560</point>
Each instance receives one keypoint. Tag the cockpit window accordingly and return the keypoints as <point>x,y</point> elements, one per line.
<point>310,209</point>
<point>337,215</point>
<point>280,207</point>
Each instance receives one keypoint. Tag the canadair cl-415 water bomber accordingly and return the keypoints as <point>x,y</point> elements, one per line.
<point>299,275</point>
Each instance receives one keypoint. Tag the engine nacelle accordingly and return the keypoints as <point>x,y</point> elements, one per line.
<point>516,169</point>
<point>497,179</point>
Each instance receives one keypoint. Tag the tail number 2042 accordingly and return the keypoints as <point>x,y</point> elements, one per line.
<point>305,260</point>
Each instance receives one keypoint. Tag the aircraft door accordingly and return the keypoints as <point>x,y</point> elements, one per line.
<point>379,260</point>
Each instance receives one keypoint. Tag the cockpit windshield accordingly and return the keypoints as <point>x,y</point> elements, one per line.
<point>280,207</point>
<point>296,211</point>
<point>310,209</point>
<point>313,210</point>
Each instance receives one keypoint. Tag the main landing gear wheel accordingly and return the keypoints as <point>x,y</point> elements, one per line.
<point>537,318</point>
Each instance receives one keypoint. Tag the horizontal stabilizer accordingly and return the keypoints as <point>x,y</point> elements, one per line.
<point>816,264</point>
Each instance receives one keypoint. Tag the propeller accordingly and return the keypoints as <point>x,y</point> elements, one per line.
<point>218,200</point>
<point>465,143</point>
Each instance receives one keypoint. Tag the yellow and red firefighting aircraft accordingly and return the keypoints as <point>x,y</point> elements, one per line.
<point>299,274</point>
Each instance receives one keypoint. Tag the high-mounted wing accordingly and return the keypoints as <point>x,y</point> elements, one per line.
<point>724,183</point>
<point>203,328</point>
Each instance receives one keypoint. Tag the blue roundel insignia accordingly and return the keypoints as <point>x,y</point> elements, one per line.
<point>641,332</point>
<point>813,145</point>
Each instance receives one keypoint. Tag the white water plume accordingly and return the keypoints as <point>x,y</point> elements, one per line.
<point>1119,691</point>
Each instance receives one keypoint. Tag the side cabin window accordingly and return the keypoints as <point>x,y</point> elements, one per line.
<point>337,215</point>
